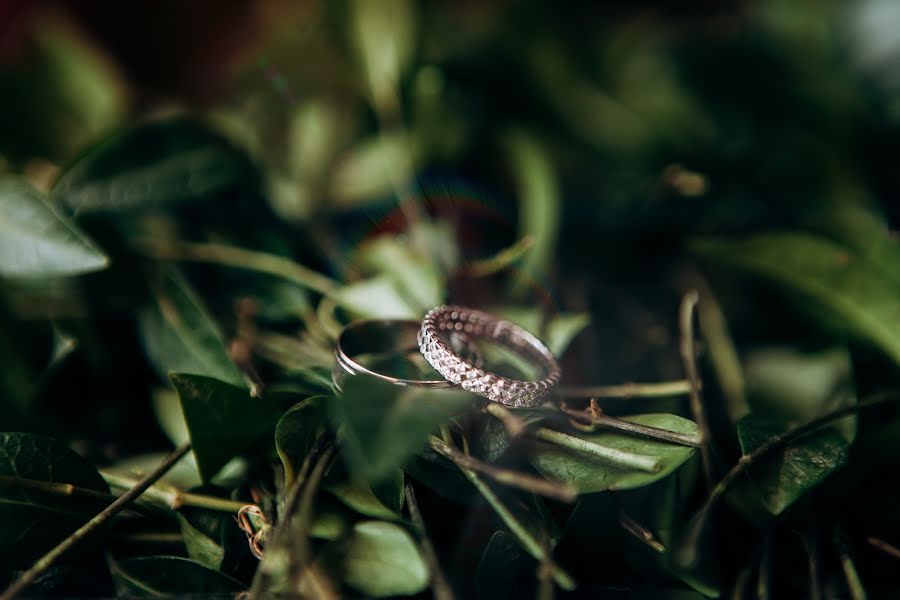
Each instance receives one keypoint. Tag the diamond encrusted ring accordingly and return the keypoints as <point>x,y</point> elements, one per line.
<point>434,344</point>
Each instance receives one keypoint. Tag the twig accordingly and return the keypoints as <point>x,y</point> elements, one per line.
<point>240,258</point>
<point>514,425</point>
<point>50,487</point>
<point>811,541</point>
<point>643,535</point>
<point>439,583</point>
<point>49,559</point>
<point>501,260</point>
<point>610,455</point>
<point>173,498</point>
<point>884,547</point>
<point>628,390</point>
<point>764,577</point>
<point>523,481</point>
<point>773,443</point>
<point>593,418</point>
<point>689,358</point>
<point>854,583</point>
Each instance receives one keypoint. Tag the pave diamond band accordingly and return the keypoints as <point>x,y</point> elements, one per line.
<point>443,321</point>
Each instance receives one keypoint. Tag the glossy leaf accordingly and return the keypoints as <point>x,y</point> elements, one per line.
<point>202,533</point>
<point>381,559</point>
<point>851,294</point>
<point>150,166</point>
<point>223,420</point>
<point>297,430</point>
<point>589,474</point>
<point>360,498</point>
<point>37,241</point>
<point>385,424</point>
<point>152,576</point>
<point>179,335</point>
<point>790,472</point>
<point>31,521</point>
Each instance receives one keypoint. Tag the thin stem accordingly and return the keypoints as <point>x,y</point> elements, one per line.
<point>50,487</point>
<point>764,577</point>
<point>643,535</point>
<point>595,418</point>
<point>173,498</point>
<point>300,535</point>
<point>501,260</point>
<point>240,258</point>
<point>811,541</point>
<point>613,456</point>
<point>769,445</point>
<point>628,390</point>
<point>514,425</point>
<point>523,481</point>
<point>689,359</point>
<point>439,583</point>
<point>884,547</point>
<point>120,503</point>
<point>854,583</point>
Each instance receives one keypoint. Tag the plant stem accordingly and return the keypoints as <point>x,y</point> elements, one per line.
<point>689,359</point>
<point>514,425</point>
<point>884,547</point>
<point>439,583</point>
<point>523,481</point>
<point>628,390</point>
<point>173,498</point>
<point>499,261</point>
<point>49,559</point>
<point>595,418</point>
<point>240,258</point>
<point>854,583</point>
<point>613,456</point>
<point>51,487</point>
<point>643,535</point>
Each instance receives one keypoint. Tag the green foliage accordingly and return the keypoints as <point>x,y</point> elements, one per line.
<point>154,576</point>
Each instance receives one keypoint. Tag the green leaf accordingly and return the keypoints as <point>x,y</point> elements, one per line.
<point>385,424</point>
<point>179,335</point>
<point>360,498</point>
<point>37,241</point>
<point>849,293</point>
<point>370,169</point>
<point>557,333</point>
<point>150,166</point>
<point>297,430</point>
<point>376,298</point>
<point>588,474</point>
<point>149,576</point>
<point>789,473</point>
<point>223,420</point>
<point>381,559</point>
<point>202,532</point>
<point>505,569</point>
<point>414,273</point>
<point>32,522</point>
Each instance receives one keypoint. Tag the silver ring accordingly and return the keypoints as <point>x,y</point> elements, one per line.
<point>383,336</point>
<point>434,344</point>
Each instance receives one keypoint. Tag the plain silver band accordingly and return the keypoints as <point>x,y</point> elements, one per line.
<point>440,322</point>
<point>393,335</point>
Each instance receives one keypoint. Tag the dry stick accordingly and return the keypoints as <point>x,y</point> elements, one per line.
<point>884,546</point>
<point>522,481</point>
<point>172,497</point>
<point>643,535</point>
<point>50,487</point>
<point>241,258</point>
<point>628,390</point>
<point>120,503</point>
<point>773,443</point>
<point>595,418</point>
<point>439,583</point>
<point>689,358</point>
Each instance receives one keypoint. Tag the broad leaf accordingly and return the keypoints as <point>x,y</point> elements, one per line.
<point>360,498</point>
<point>31,521</point>
<point>180,336</point>
<point>557,333</point>
<point>850,293</point>
<point>413,273</point>
<point>376,298</point>
<point>505,569</point>
<point>37,241</point>
<point>297,430</point>
<point>790,472</point>
<point>223,420</point>
<point>202,533</point>
<point>150,166</point>
<point>385,424</point>
<point>150,576</point>
<point>381,559</point>
<point>589,474</point>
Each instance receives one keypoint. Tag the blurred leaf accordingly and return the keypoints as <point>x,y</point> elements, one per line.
<point>557,333</point>
<point>855,296</point>
<point>149,576</point>
<point>223,420</point>
<point>381,559</point>
<point>32,522</point>
<point>361,498</point>
<point>539,202</point>
<point>385,37</point>
<point>792,471</point>
<point>391,490</point>
<point>413,274</point>
<point>151,166</point>
<point>589,474</point>
<point>202,532</point>
<point>505,569</point>
<point>297,431</point>
<point>371,169</point>
<point>179,335</point>
<point>36,241</point>
<point>183,475</point>
<point>385,424</point>
<point>376,298</point>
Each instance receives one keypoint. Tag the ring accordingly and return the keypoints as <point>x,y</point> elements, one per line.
<point>391,337</point>
<point>434,344</point>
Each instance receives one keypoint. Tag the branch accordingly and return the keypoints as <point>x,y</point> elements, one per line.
<point>627,390</point>
<point>620,458</point>
<point>173,498</point>
<point>49,559</point>
<point>439,583</point>
<point>595,418</point>
<point>689,358</point>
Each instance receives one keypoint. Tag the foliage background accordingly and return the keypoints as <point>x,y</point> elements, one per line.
<point>746,150</point>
